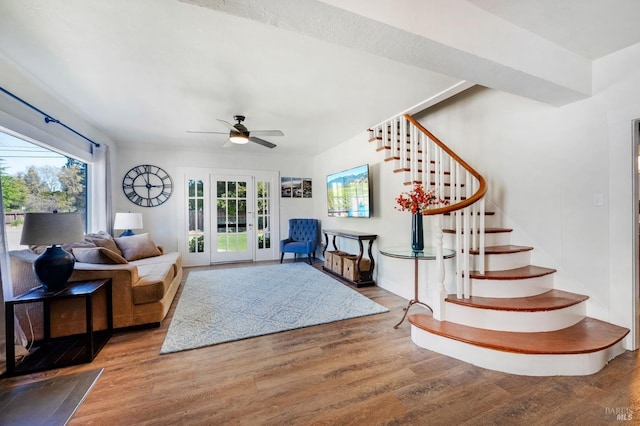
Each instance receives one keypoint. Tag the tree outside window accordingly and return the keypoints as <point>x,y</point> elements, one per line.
<point>47,181</point>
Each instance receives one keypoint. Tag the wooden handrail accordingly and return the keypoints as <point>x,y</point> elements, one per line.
<point>482,187</point>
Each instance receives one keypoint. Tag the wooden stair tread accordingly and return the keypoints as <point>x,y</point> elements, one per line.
<point>486,230</point>
<point>588,335</point>
<point>529,271</point>
<point>548,301</point>
<point>505,249</point>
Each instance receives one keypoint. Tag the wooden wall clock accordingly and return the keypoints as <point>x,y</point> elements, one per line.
<point>147,185</point>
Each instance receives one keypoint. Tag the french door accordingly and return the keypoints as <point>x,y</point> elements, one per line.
<point>233,230</point>
<point>227,216</point>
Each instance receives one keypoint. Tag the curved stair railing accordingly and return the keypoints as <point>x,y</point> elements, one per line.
<point>424,159</point>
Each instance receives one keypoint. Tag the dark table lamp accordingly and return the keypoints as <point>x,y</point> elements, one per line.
<point>128,221</point>
<point>53,267</point>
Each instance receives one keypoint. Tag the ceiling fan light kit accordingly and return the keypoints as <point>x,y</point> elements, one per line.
<point>238,138</point>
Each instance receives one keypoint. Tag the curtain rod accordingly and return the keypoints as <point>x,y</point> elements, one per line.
<point>47,118</point>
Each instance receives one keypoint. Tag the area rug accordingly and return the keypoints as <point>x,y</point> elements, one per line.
<point>224,305</point>
<point>46,402</point>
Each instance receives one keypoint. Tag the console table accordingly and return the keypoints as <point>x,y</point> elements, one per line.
<point>429,253</point>
<point>366,277</point>
<point>60,351</point>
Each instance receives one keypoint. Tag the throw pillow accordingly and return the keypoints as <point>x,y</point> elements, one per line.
<point>98,255</point>
<point>66,247</point>
<point>137,247</point>
<point>103,239</point>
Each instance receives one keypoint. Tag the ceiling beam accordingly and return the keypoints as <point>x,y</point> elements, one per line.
<point>454,38</point>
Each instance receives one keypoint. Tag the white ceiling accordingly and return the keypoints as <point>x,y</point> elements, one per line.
<point>146,71</point>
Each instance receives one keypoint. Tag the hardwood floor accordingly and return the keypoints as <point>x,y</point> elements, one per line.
<point>360,372</point>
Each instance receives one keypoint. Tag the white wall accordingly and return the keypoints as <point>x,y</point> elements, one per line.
<point>562,177</point>
<point>547,170</point>
<point>161,221</point>
<point>20,118</point>
<point>392,227</point>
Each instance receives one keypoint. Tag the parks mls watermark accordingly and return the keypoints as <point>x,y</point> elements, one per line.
<point>619,413</point>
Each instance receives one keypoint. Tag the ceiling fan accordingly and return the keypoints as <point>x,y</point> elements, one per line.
<point>239,134</point>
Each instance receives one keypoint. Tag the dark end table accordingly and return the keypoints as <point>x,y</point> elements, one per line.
<point>60,351</point>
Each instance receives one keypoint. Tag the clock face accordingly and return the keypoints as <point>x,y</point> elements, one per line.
<point>147,185</point>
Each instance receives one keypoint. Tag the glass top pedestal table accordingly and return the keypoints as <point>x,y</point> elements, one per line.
<point>429,253</point>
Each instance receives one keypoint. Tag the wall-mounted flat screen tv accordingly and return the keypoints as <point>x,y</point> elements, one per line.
<point>348,193</point>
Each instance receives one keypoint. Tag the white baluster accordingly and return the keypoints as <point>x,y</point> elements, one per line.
<point>481,266</point>
<point>438,291</point>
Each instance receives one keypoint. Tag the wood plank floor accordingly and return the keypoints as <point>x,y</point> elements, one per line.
<point>359,372</point>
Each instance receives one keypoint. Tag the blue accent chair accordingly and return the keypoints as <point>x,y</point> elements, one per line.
<point>303,238</point>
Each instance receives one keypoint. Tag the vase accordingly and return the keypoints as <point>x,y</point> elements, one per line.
<point>417,235</point>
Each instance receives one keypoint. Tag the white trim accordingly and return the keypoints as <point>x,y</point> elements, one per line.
<point>636,232</point>
<point>447,93</point>
<point>623,223</point>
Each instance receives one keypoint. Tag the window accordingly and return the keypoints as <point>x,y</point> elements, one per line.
<point>37,179</point>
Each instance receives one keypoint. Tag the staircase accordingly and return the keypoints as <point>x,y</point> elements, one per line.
<point>506,314</point>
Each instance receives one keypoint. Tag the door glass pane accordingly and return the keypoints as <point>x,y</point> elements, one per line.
<point>195,202</point>
<point>192,214</point>
<point>242,216</point>
<point>263,234</point>
<point>221,189</point>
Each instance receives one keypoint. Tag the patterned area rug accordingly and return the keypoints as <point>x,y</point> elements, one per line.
<point>224,305</point>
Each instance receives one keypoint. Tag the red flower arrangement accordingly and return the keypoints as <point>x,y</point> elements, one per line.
<point>418,200</point>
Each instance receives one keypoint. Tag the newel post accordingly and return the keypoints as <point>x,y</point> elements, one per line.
<point>437,290</point>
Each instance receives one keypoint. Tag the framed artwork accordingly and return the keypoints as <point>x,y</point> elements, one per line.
<point>295,187</point>
<point>285,187</point>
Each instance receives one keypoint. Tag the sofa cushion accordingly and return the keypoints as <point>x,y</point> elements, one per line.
<point>173,258</point>
<point>103,239</point>
<point>137,247</point>
<point>154,281</point>
<point>98,255</point>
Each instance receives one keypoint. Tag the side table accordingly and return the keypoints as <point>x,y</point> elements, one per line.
<point>60,351</point>
<point>365,276</point>
<point>429,253</point>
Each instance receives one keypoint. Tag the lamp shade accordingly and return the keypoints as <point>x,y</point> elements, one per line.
<point>51,228</point>
<point>54,266</point>
<point>128,221</point>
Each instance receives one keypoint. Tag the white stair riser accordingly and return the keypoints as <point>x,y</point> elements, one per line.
<point>519,321</point>
<point>493,239</point>
<point>489,222</point>
<point>511,288</point>
<point>516,363</point>
<point>503,262</point>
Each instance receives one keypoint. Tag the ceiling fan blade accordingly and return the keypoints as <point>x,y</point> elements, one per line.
<point>262,142</point>
<point>215,133</point>
<point>227,144</point>
<point>229,125</point>
<point>269,132</point>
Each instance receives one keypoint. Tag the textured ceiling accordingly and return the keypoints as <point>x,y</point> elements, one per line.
<point>146,71</point>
